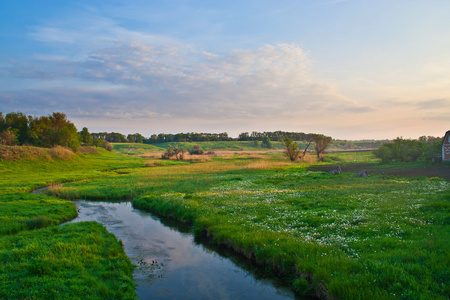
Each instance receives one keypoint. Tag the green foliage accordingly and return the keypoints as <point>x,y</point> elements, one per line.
<point>266,143</point>
<point>321,143</point>
<point>40,131</point>
<point>291,149</point>
<point>407,150</point>
<point>85,137</point>
<point>196,150</point>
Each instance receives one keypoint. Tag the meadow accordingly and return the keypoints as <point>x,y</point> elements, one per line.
<point>332,236</point>
<point>41,260</point>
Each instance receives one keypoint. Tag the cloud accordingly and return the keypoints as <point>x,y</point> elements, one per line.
<point>434,104</point>
<point>175,79</point>
<point>105,72</point>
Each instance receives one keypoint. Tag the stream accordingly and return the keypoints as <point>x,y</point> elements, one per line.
<point>172,265</point>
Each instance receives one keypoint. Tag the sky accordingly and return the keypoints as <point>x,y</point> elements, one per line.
<point>349,69</point>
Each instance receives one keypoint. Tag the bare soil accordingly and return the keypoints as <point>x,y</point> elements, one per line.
<point>442,171</point>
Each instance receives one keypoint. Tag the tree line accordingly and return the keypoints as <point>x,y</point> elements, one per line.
<point>17,128</point>
<point>45,131</point>
<point>265,137</point>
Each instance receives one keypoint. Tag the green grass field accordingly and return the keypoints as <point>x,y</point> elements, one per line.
<point>336,236</point>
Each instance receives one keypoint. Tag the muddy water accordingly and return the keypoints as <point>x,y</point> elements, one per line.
<point>171,265</point>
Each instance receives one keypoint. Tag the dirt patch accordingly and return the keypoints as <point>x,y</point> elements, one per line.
<point>442,171</point>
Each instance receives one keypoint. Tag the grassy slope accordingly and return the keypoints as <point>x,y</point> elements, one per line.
<point>344,236</point>
<point>68,254</point>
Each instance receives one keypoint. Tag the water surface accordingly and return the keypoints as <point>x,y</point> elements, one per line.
<point>171,265</point>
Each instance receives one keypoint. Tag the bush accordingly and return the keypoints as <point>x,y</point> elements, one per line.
<point>107,146</point>
<point>7,137</point>
<point>196,150</point>
<point>407,151</point>
<point>168,153</point>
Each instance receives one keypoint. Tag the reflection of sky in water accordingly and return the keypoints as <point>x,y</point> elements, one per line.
<point>169,264</point>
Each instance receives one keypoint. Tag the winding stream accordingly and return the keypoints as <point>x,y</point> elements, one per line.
<point>171,265</point>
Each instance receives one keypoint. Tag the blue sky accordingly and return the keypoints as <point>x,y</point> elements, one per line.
<point>345,68</point>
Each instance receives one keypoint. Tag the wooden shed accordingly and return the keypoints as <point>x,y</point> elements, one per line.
<point>446,147</point>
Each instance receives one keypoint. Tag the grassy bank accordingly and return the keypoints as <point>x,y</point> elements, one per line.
<point>40,260</point>
<point>74,261</point>
<point>335,235</point>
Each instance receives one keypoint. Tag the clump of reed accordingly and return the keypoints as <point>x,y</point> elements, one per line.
<point>59,152</point>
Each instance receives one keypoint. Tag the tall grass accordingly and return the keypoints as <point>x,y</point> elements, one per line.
<point>74,261</point>
<point>39,260</point>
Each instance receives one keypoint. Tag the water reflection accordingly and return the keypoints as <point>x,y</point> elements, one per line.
<point>171,265</point>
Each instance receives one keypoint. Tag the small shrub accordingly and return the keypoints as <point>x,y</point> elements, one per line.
<point>7,137</point>
<point>107,146</point>
<point>196,150</point>
<point>168,153</point>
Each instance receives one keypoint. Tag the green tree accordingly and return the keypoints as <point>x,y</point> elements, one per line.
<point>292,151</point>
<point>321,143</point>
<point>266,143</point>
<point>85,137</point>
<point>18,124</point>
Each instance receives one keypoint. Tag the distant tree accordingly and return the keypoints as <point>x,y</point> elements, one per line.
<point>85,137</point>
<point>244,136</point>
<point>266,143</point>
<point>131,138</point>
<point>321,143</point>
<point>309,138</point>
<point>115,137</point>
<point>292,151</point>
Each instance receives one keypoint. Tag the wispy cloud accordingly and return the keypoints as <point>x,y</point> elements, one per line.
<point>171,78</point>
